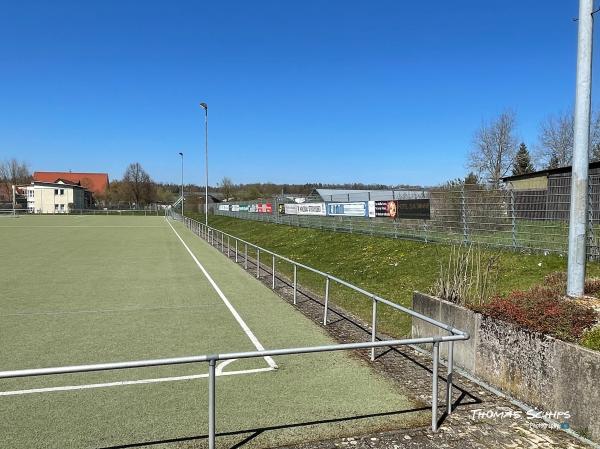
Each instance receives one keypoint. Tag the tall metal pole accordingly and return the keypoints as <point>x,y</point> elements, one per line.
<point>182,197</point>
<point>205,107</point>
<point>579,176</point>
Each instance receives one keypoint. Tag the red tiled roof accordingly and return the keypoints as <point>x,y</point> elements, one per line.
<point>94,182</point>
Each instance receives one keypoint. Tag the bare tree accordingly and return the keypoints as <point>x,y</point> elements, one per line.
<point>555,147</point>
<point>494,148</point>
<point>138,184</point>
<point>227,187</point>
<point>12,172</point>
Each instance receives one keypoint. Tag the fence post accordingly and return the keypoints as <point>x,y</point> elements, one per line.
<point>257,263</point>
<point>236,250</point>
<point>273,287</point>
<point>326,301</point>
<point>592,251</point>
<point>464,214</point>
<point>211,404</point>
<point>512,215</point>
<point>228,247</point>
<point>434,386</point>
<point>449,377</point>
<point>295,282</point>
<point>373,328</point>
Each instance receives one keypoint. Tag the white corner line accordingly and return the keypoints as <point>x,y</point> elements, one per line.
<point>218,372</point>
<point>236,315</point>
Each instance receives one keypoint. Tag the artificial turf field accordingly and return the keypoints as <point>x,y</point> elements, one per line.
<point>93,289</point>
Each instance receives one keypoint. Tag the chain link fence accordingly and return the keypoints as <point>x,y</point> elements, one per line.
<point>522,220</point>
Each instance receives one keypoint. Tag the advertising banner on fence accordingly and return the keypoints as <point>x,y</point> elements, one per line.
<point>235,208</point>
<point>417,209</point>
<point>414,209</point>
<point>264,208</point>
<point>358,209</point>
<point>384,208</point>
<point>310,208</point>
<point>224,207</point>
<point>290,209</point>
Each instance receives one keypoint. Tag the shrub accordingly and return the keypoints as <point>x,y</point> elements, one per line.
<point>468,277</point>
<point>591,339</point>
<point>544,309</point>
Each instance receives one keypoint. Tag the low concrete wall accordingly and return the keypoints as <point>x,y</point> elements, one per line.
<point>539,370</point>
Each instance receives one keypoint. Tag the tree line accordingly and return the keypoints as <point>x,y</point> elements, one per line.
<point>497,152</point>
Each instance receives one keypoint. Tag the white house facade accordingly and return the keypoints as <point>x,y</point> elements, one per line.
<point>54,197</point>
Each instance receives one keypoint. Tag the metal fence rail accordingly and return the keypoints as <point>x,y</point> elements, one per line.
<point>532,219</point>
<point>212,235</point>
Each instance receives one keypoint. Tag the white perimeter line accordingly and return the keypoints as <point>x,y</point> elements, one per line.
<point>234,312</point>
<point>82,226</point>
<point>130,382</point>
<point>131,309</point>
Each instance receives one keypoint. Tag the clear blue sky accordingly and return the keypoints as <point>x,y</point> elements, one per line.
<point>298,91</point>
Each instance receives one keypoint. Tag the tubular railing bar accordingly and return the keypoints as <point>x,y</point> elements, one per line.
<point>114,366</point>
<point>436,323</point>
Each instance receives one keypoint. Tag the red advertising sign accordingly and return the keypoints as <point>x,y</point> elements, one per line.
<point>264,208</point>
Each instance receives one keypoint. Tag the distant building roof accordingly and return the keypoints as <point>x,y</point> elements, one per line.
<point>345,195</point>
<point>547,172</point>
<point>94,182</point>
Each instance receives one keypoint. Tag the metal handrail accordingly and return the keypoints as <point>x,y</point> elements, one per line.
<point>331,277</point>
<point>212,359</point>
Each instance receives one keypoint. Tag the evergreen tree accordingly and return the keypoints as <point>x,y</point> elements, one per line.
<point>553,163</point>
<point>522,163</point>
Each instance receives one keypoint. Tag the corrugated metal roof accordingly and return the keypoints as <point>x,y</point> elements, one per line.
<point>347,195</point>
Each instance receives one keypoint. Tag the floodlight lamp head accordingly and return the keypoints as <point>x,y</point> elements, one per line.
<point>204,106</point>
<point>180,154</point>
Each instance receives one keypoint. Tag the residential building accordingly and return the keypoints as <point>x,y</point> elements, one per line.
<point>58,197</point>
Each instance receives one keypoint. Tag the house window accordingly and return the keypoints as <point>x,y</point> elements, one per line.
<point>62,192</point>
<point>62,207</point>
<point>56,191</point>
<point>56,208</point>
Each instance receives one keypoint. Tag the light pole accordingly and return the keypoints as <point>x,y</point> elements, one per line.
<point>581,142</point>
<point>182,198</point>
<point>205,107</point>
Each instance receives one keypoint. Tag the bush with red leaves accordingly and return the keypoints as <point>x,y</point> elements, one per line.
<point>544,309</point>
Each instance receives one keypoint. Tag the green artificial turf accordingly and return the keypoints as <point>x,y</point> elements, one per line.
<point>85,289</point>
<point>391,268</point>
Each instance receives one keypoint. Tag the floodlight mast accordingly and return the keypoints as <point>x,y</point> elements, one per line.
<point>205,107</point>
<point>182,196</point>
<point>581,143</point>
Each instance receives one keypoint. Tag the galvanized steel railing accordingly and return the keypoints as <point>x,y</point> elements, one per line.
<point>209,234</point>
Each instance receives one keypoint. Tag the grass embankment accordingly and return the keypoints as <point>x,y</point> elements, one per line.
<point>388,267</point>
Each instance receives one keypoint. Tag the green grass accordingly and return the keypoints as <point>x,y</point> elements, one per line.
<point>391,268</point>
<point>85,289</point>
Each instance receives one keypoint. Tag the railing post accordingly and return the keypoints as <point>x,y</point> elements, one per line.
<point>211,404</point>
<point>373,328</point>
<point>449,378</point>
<point>513,219</point>
<point>228,247</point>
<point>246,256</point>
<point>257,263</point>
<point>434,386</point>
<point>273,287</point>
<point>295,282</point>
<point>236,251</point>
<point>326,301</point>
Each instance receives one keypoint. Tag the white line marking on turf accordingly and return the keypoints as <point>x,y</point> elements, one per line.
<point>82,226</point>
<point>130,309</point>
<point>234,312</point>
<point>134,382</point>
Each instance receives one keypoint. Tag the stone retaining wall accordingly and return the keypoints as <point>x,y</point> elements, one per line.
<point>547,373</point>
